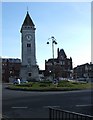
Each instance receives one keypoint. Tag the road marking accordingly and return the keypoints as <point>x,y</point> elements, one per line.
<point>50,106</point>
<point>19,107</point>
<point>84,105</point>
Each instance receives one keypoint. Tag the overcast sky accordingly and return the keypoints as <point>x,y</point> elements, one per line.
<point>68,22</point>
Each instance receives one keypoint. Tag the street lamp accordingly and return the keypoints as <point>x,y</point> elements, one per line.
<point>53,42</point>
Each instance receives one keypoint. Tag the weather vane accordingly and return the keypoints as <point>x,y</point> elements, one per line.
<point>27,8</point>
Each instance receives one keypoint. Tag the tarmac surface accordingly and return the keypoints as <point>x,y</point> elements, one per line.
<point>27,104</point>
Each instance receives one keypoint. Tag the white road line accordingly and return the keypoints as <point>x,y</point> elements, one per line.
<point>17,107</point>
<point>84,105</point>
<point>50,106</point>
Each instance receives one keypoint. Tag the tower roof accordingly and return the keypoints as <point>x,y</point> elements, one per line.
<point>27,21</point>
<point>62,53</point>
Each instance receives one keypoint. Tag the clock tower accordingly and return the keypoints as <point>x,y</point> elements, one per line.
<point>29,68</point>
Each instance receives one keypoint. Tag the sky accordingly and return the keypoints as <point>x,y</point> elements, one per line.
<point>68,22</point>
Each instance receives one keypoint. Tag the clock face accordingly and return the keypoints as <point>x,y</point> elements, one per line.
<point>28,37</point>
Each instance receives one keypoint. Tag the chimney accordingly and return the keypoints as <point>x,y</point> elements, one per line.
<point>58,53</point>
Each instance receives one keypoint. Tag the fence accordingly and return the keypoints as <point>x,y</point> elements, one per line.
<point>58,114</point>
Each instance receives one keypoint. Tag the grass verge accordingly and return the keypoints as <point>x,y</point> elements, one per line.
<point>49,86</point>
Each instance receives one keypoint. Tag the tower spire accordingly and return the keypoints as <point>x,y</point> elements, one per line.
<point>27,21</point>
<point>27,9</point>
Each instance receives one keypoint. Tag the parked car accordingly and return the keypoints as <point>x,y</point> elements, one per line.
<point>82,80</point>
<point>24,81</point>
<point>16,81</point>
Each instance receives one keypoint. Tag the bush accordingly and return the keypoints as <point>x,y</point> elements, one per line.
<point>25,85</point>
<point>32,80</point>
<point>43,85</point>
<point>45,81</point>
<point>64,84</point>
<point>76,83</point>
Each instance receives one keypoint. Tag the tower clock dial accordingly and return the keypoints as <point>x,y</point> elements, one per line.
<point>28,37</point>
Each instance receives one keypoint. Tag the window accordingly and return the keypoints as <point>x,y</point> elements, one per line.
<point>63,62</point>
<point>28,45</point>
<point>29,74</point>
<point>28,48</point>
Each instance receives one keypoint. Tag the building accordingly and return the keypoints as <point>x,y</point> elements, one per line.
<point>41,75</point>
<point>29,68</point>
<point>10,69</point>
<point>83,72</point>
<point>61,67</point>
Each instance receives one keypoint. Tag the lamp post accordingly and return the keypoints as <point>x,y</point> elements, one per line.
<point>53,42</point>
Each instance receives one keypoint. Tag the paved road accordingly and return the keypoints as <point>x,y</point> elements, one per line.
<point>24,104</point>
